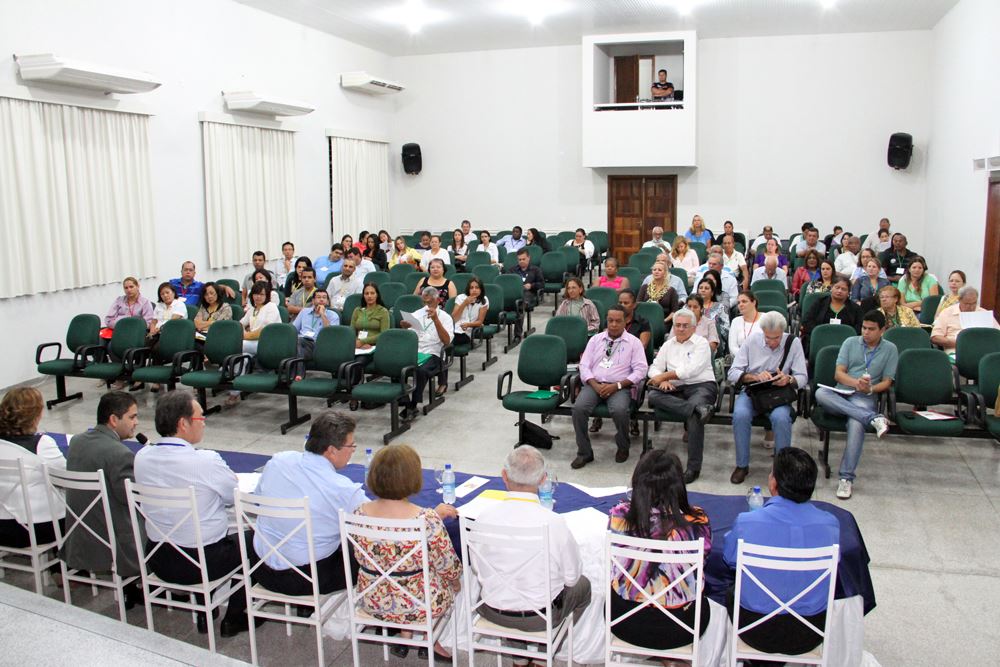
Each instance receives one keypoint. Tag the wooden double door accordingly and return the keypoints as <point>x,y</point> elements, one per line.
<point>636,204</point>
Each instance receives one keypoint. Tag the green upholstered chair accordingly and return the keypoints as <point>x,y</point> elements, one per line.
<point>986,398</point>
<point>407,303</point>
<point>276,363</point>
<point>928,309</point>
<point>643,261</point>
<point>169,362</point>
<point>412,279</point>
<point>391,291</point>
<point>486,272</point>
<point>84,331</point>
<point>351,303</point>
<point>924,379</point>
<point>509,261</point>
<point>653,313</point>
<point>971,347</point>
<point>571,256</point>
<point>823,373</point>
<point>908,338</point>
<point>286,318</point>
<point>395,363</point>
<point>233,285</point>
<point>553,266</point>
<point>604,298</point>
<point>376,277</point>
<point>542,365</point>
<point>223,349</point>
<point>535,253</point>
<point>633,275</point>
<point>125,352</point>
<point>398,273</point>
<point>237,311</point>
<point>461,281</point>
<point>477,258</point>
<point>461,351</point>
<point>681,274</point>
<point>772,298</point>
<point>768,285</point>
<point>573,331</point>
<point>491,325</point>
<point>336,371</point>
<point>192,311</point>
<point>701,250</point>
<point>828,334</point>
<point>513,306</point>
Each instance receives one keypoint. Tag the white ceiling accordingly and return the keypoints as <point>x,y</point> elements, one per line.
<point>474,25</point>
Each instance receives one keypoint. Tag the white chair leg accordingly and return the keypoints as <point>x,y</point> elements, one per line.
<point>288,626</point>
<point>65,574</point>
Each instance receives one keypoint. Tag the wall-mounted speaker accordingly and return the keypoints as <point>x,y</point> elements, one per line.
<point>900,150</point>
<point>412,161</point>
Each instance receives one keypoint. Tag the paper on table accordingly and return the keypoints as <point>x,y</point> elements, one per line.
<point>248,481</point>
<point>599,491</point>
<point>413,320</point>
<point>978,319</point>
<point>369,350</point>
<point>488,498</point>
<point>933,415</point>
<point>469,485</point>
<point>586,521</point>
<point>845,392</point>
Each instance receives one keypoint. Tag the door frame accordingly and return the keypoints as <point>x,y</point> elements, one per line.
<point>624,177</point>
<point>988,296</point>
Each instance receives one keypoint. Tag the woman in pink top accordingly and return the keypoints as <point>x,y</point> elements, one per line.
<point>683,257</point>
<point>611,278</point>
<point>130,304</point>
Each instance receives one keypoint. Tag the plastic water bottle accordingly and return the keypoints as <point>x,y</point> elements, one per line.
<point>368,460</point>
<point>448,484</point>
<point>755,498</point>
<point>545,494</point>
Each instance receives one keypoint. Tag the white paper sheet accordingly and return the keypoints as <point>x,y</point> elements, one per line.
<point>469,485</point>
<point>845,392</point>
<point>248,481</point>
<point>599,491</point>
<point>978,319</point>
<point>413,320</point>
<point>473,508</point>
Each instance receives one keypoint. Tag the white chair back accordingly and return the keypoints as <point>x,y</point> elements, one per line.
<point>63,481</point>
<point>620,552</point>
<point>14,496</point>
<point>478,541</point>
<point>821,560</point>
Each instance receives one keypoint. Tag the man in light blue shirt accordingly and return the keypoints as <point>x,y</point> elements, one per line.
<point>325,266</point>
<point>513,241</point>
<point>313,474</point>
<point>310,321</point>
<point>786,520</point>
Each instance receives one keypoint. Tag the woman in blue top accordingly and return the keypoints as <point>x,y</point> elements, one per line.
<point>698,233</point>
<point>868,285</point>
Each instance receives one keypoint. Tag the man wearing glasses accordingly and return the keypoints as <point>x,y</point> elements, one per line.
<point>610,368</point>
<point>681,381</point>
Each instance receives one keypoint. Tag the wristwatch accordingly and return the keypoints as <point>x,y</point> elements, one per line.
<point>619,386</point>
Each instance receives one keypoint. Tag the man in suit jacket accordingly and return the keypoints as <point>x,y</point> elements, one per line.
<point>101,448</point>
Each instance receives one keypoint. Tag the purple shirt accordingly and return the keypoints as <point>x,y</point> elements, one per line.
<point>627,359</point>
<point>121,308</point>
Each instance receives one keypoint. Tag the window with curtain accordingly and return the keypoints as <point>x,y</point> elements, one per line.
<point>359,185</point>
<point>76,206</point>
<point>249,191</point>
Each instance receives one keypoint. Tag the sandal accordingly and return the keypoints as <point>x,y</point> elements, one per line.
<point>399,650</point>
<point>441,391</point>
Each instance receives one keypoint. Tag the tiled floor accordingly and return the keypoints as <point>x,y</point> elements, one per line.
<point>929,511</point>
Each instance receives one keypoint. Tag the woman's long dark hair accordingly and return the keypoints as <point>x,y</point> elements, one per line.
<point>482,290</point>
<point>539,241</point>
<point>657,485</point>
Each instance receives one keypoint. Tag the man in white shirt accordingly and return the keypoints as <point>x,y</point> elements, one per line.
<point>810,241</point>
<point>344,285</point>
<point>363,264</point>
<point>770,271</point>
<point>682,381</point>
<point>433,334</point>
<point>513,241</point>
<point>513,580</point>
<point>657,241</point>
<point>735,261</point>
<point>467,232</point>
<point>730,288</point>
<point>872,241</point>
<point>285,264</point>
<point>847,260</point>
<point>174,463</point>
<point>768,233</point>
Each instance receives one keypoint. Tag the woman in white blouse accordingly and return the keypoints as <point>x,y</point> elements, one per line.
<point>486,246</point>
<point>683,257</point>
<point>586,249</point>
<point>459,248</point>
<point>168,307</point>
<point>746,323</point>
<point>261,311</point>
<point>469,311</point>
<point>436,252</point>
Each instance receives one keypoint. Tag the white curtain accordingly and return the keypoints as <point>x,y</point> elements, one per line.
<point>76,206</point>
<point>249,191</point>
<point>360,185</point>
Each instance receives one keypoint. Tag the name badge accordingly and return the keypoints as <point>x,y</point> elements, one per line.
<point>182,299</point>
<point>835,320</point>
<point>607,362</point>
<point>310,334</point>
<point>362,335</point>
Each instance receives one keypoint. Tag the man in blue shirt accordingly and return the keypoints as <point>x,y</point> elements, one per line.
<point>313,474</point>
<point>866,367</point>
<point>310,321</point>
<point>513,241</point>
<point>325,266</point>
<point>786,520</point>
<point>188,289</point>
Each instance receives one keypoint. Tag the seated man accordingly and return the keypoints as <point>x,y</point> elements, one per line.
<point>347,283</point>
<point>435,332</point>
<point>329,264</point>
<point>101,448</point>
<point>613,363</point>
<point>735,262</point>
<point>638,327</point>
<point>682,381</point>
<point>302,298</point>
<point>312,473</point>
<point>730,287</point>
<point>513,241</point>
<point>467,232</point>
<point>515,582</point>
<point>871,243</point>
<point>770,271</point>
<point>310,321</point>
<point>259,262</point>
<point>948,322</point>
<point>657,241</point>
<point>662,90</point>
<point>768,354</point>
<point>786,520</point>
<point>284,264</point>
<point>847,260</point>
<point>836,239</point>
<point>174,463</point>
<point>896,260</point>
<point>188,289</point>
<point>679,285</point>
<point>533,281</point>
<point>866,366</point>
<point>810,241</point>
<point>363,265</point>
<point>765,235</point>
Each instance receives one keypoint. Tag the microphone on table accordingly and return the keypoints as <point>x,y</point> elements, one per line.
<point>141,439</point>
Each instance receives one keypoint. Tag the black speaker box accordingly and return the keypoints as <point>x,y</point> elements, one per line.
<point>900,150</point>
<point>412,162</point>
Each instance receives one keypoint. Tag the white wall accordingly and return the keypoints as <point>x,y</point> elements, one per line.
<point>790,129</point>
<point>197,48</point>
<point>965,124</point>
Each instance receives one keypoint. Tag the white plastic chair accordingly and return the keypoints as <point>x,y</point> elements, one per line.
<point>14,476</point>
<point>156,590</point>
<point>249,508</point>
<point>362,624</point>
<point>822,560</point>
<point>59,481</point>
<point>478,540</point>
<point>621,548</point>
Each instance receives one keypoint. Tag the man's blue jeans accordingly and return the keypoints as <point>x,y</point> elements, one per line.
<point>860,411</point>
<point>743,414</point>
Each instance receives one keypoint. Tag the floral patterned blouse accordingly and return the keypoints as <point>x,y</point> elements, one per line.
<point>385,601</point>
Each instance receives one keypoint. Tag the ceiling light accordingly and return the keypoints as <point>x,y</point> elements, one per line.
<point>535,11</point>
<point>413,14</point>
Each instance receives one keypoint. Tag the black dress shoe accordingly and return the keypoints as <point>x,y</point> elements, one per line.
<point>621,456</point>
<point>581,461</point>
<point>399,650</point>
<point>203,622</point>
<point>230,627</point>
<point>704,413</point>
<point>596,424</point>
<point>739,474</point>
<point>691,475</point>
<point>133,596</point>
<point>633,427</point>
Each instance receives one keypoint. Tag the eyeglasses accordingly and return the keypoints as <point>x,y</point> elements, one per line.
<point>197,419</point>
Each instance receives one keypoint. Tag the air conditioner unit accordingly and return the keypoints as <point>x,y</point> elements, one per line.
<point>250,102</point>
<point>363,82</point>
<point>49,68</point>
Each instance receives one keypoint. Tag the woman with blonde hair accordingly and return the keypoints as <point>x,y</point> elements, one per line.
<point>683,257</point>
<point>698,233</point>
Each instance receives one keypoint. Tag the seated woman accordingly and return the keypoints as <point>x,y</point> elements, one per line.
<point>212,309</point>
<point>130,304</point>
<point>807,273</point>
<point>745,323</point>
<point>833,308</point>
<point>771,248</point>
<point>261,311</point>
<point>168,307</point>
<point>403,255</point>
<point>705,327</point>
<point>436,279</point>
<point>586,249</point>
<point>658,510</point>
<point>346,242</point>
<point>697,232</point>
<point>459,248</point>
<point>263,275</point>
<point>712,306</point>
<point>867,286</point>
<point>575,304</point>
<point>956,281</point>
<point>533,237</point>
<point>373,252</point>
<point>362,241</point>
<point>395,475</point>
<point>435,252</point>
<point>682,257</point>
<point>385,242</point>
<point>917,285</point>
<point>470,311</point>
<point>822,284</point>
<point>658,290</point>
<point>20,414</point>
<point>611,278</point>
<point>370,319</point>
<point>486,245</point>
<point>296,282</point>
<point>860,271</point>
<point>896,314</point>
